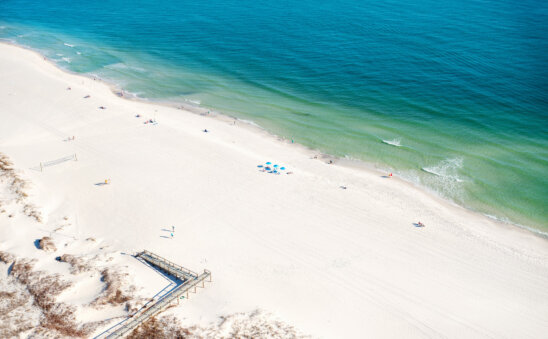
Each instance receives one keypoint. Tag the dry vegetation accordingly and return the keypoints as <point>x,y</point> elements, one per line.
<point>36,291</point>
<point>31,210</point>
<point>254,325</point>
<point>27,291</point>
<point>6,258</point>
<point>77,263</point>
<point>17,313</point>
<point>44,288</point>
<point>18,187</point>
<point>166,327</point>
<point>47,244</point>
<point>116,292</point>
<point>113,293</point>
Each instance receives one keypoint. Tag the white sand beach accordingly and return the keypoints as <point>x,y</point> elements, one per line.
<point>332,262</point>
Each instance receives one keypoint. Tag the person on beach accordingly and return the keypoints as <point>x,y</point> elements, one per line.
<point>420,224</point>
<point>173,229</point>
<point>390,175</point>
<point>171,235</point>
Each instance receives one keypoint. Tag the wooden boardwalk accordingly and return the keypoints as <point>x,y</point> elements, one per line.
<point>190,280</point>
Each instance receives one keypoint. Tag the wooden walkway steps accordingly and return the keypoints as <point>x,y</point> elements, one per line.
<point>190,280</point>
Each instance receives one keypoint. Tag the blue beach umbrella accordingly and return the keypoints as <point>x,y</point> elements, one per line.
<point>268,163</point>
<point>275,166</point>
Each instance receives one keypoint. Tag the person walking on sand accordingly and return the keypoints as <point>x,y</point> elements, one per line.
<point>171,235</point>
<point>173,229</point>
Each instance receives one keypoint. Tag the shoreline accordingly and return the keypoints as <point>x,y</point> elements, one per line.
<point>331,261</point>
<point>250,125</point>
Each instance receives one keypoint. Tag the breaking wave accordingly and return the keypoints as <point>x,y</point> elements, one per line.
<point>124,66</point>
<point>446,169</point>
<point>192,101</point>
<point>393,142</point>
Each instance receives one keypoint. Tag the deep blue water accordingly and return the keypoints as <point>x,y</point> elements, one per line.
<point>460,86</point>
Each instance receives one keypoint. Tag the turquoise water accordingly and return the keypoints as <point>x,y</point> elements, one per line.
<point>451,95</point>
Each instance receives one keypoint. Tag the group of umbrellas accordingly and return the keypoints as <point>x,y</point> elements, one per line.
<point>270,168</point>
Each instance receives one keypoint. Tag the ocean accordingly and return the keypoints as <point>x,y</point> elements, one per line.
<point>450,95</point>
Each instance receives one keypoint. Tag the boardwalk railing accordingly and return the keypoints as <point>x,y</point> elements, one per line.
<point>190,280</point>
<point>173,269</point>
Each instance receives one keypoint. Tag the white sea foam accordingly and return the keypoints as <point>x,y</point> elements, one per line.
<point>193,101</point>
<point>69,45</point>
<point>446,169</point>
<point>444,179</point>
<point>65,59</point>
<point>123,66</point>
<point>78,53</point>
<point>508,221</point>
<point>129,94</point>
<point>11,41</point>
<point>249,122</point>
<point>58,54</point>
<point>118,65</point>
<point>393,142</point>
